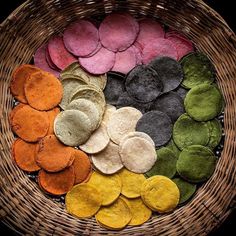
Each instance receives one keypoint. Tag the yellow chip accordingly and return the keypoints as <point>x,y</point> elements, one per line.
<point>140,212</point>
<point>131,183</point>
<point>83,200</point>
<point>115,216</point>
<point>160,194</point>
<point>108,186</point>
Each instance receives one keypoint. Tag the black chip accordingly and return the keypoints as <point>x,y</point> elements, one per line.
<point>171,104</point>
<point>157,125</point>
<point>169,71</point>
<point>181,91</point>
<point>143,84</point>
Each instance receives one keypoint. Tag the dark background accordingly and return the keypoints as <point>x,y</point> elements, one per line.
<point>227,10</point>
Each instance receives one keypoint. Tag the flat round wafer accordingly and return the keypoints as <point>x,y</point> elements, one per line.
<point>108,186</point>
<point>173,147</point>
<point>83,200</point>
<point>215,130</point>
<point>99,81</point>
<point>49,60</point>
<point>131,183</point>
<point>108,161</point>
<point>24,155</point>
<point>109,109</point>
<point>29,124</point>
<point>181,91</point>
<point>72,127</point>
<point>52,155</point>
<point>43,90</point>
<point>51,116</point>
<point>122,121</point>
<point>138,154</point>
<point>14,110</point>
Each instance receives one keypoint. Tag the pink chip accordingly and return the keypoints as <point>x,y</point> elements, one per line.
<point>181,43</point>
<point>125,61</point>
<point>149,30</point>
<point>49,60</point>
<point>58,53</point>
<point>96,50</point>
<point>117,32</point>
<point>159,47</point>
<point>81,38</point>
<point>138,53</point>
<point>40,60</point>
<point>99,63</point>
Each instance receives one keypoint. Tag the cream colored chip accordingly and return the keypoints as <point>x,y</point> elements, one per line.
<point>98,81</point>
<point>121,122</point>
<point>108,161</point>
<point>97,141</point>
<point>109,110</point>
<point>138,155</point>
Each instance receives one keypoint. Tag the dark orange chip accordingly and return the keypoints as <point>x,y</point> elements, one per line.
<point>14,110</point>
<point>52,115</point>
<point>57,183</point>
<point>24,155</point>
<point>19,76</point>
<point>52,155</point>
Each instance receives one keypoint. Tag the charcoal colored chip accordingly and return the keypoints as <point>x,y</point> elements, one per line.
<point>171,104</point>
<point>215,130</point>
<point>125,100</point>
<point>157,125</point>
<point>181,91</point>
<point>170,72</point>
<point>143,84</point>
<point>114,87</point>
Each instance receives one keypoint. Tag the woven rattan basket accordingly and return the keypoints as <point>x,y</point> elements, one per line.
<point>23,207</point>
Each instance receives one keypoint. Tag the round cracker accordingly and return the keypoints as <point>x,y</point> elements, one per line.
<point>215,130</point>
<point>97,141</point>
<point>108,161</point>
<point>52,116</point>
<point>72,127</point>
<point>138,155</point>
<point>122,121</point>
<point>109,109</point>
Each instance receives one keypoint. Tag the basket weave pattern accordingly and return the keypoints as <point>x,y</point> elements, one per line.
<point>24,207</point>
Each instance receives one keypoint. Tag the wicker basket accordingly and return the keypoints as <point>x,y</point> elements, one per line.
<point>23,207</point>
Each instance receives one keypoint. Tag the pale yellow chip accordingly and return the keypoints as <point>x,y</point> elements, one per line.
<point>99,81</point>
<point>140,212</point>
<point>109,110</point>
<point>108,186</point>
<point>160,194</point>
<point>121,122</point>
<point>97,141</point>
<point>115,216</point>
<point>131,183</point>
<point>83,200</point>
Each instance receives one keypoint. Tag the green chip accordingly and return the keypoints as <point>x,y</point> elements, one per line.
<point>196,163</point>
<point>203,102</point>
<point>187,132</point>
<point>197,70</point>
<point>172,146</point>
<point>165,163</point>
<point>215,130</point>
<point>186,189</point>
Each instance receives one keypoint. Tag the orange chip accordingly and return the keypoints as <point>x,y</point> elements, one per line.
<point>29,124</point>
<point>52,155</point>
<point>82,166</point>
<point>52,115</point>
<point>19,76</point>
<point>57,183</point>
<point>43,90</point>
<point>24,155</point>
<point>14,110</point>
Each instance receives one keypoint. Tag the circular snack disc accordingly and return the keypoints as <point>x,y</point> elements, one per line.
<point>188,132</point>
<point>72,127</point>
<point>49,60</point>
<point>109,110</point>
<point>98,81</point>
<point>117,32</point>
<point>170,72</point>
<point>108,161</point>
<point>196,163</point>
<point>83,200</point>
<point>181,91</point>
<point>97,141</point>
<point>186,189</point>
<point>81,38</point>
<point>99,63</point>
<point>171,104</point>
<point>215,130</point>
<point>43,90</point>
<point>165,164</point>
<point>160,193</point>
<point>131,183</point>
<point>173,147</point>
<point>52,116</point>
<point>143,84</point>
<point>115,216</point>
<point>138,155</point>
<point>203,102</point>
<point>139,211</point>
<point>57,183</point>
<point>122,121</point>
<point>157,125</point>
<point>108,186</point>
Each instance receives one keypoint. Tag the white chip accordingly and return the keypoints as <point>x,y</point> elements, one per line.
<point>109,110</point>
